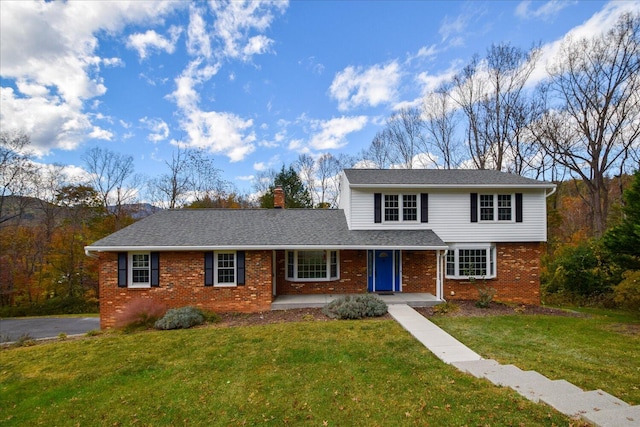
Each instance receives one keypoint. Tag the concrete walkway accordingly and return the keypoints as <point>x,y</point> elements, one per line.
<point>596,407</point>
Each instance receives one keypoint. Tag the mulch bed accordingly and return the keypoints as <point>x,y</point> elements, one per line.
<point>466,308</point>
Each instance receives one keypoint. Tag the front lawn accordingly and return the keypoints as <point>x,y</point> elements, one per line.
<point>338,373</point>
<point>598,351</point>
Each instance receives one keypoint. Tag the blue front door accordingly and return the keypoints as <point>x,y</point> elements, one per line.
<point>384,271</point>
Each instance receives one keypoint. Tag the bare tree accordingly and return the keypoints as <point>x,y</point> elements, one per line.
<point>16,172</point>
<point>403,134</point>
<point>306,168</point>
<point>491,94</point>
<point>109,175</point>
<point>192,176</point>
<point>440,122</point>
<point>377,155</point>
<point>595,119</point>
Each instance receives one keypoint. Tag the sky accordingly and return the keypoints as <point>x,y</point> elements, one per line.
<point>255,84</point>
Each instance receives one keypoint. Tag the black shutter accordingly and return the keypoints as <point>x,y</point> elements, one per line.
<point>474,207</point>
<point>377,207</point>
<point>424,207</point>
<point>155,269</point>
<point>208,268</point>
<point>240,268</point>
<point>122,269</point>
<point>518,207</point>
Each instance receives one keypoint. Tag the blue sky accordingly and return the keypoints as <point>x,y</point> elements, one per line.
<point>255,84</point>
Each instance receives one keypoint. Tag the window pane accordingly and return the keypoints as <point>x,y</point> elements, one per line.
<point>486,207</point>
<point>451,263</point>
<point>312,265</point>
<point>226,263</point>
<point>140,269</point>
<point>334,264</point>
<point>504,207</point>
<point>472,262</point>
<point>410,207</point>
<point>391,208</point>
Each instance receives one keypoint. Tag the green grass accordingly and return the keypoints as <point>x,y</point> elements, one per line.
<point>601,351</point>
<point>341,373</point>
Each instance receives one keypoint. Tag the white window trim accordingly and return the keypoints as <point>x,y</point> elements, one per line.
<point>491,260</point>
<point>401,208</point>
<point>216,268</point>
<point>130,271</point>
<point>295,278</point>
<point>495,208</point>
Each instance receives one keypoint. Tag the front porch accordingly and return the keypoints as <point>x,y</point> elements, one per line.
<point>286,302</point>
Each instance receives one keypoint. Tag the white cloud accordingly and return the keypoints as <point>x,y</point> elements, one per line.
<point>99,133</point>
<point>431,82</point>
<point>451,28</point>
<point>151,41</point>
<point>259,166</point>
<point>245,177</point>
<point>219,132</point>
<point>545,11</point>
<point>235,20</point>
<point>49,50</point>
<point>332,133</point>
<point>599,23</point>
<point>158,127</point>
<point>198,39</point>
<point>356,87</point>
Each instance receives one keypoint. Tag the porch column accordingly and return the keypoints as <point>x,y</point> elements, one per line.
<point>438,275</point>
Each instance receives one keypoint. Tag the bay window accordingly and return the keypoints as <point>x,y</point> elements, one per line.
<point>312,265</point>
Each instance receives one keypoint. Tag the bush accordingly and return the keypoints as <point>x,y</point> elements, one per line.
<point>355,307</point>
<point>580,271</point>
<point>180,318</point>
<point>140,313</point>
<point>627,293</point>
<point>57,305</point>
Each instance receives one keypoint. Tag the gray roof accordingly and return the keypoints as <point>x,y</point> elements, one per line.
<point>439,178</point>
<point>258,229</point>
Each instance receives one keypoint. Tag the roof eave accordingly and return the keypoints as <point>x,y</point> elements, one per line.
<point>93,249</point>
<point>397,185</point>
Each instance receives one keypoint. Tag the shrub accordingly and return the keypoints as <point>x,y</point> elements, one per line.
<point>180,318</point>
<point>485,295</point>
<point>446,307</point>
<point>627,293</point>
<point>355,307</point>
<point>140,313</point>
<point>210,316</point>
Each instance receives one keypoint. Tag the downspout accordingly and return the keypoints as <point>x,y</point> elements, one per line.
<point>552,191</point>
<point>88,253</point>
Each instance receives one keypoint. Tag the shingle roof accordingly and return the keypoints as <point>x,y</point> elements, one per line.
<point>258,229</point>
<point>439,177</point>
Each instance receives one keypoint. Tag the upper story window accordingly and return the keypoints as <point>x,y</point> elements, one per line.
<point>400,207</point>
<point>312,265</point>
<point>496,206</point>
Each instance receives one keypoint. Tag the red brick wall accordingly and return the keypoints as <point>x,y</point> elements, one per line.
<point>419,272</point>
<point>518,276</point>
<point>353,277</point>
<point>182,284</point>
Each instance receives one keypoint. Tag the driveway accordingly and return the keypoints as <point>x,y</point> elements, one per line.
<point>46,327</point>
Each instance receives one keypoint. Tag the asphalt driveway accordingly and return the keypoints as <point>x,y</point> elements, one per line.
<point>46,327</point>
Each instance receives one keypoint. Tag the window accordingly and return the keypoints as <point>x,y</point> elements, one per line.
<point>391,208</point>
<point>471,261</point>
<point>504,207</point>
<point>486,207</point>
<point>410,207</point>
<point>312,265</point>
<point>494,206</point>
<point>140,270</point>
<point>225,268</point>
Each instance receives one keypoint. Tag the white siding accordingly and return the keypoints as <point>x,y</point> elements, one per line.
<point>344,202</point>
<point>449,216</point>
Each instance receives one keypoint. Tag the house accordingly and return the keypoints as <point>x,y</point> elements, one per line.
<point>412,231</point>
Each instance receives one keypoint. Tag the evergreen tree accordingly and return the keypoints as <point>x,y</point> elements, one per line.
<point>296,194</point>
<point>623,240</point>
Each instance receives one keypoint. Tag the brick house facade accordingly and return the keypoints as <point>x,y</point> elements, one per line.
<point>415,231</point>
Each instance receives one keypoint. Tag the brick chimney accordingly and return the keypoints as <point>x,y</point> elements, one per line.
<point>278,197</point>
